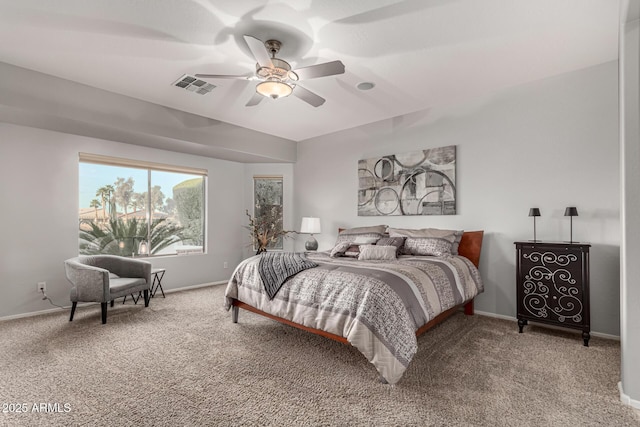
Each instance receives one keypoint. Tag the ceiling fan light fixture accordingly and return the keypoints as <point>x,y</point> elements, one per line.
<point>274,89</point>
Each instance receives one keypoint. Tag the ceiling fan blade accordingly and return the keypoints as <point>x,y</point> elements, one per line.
<point>320,70</point>
<point>307,96</point>
<point>255,100</point>
<point>221,76</point>
<point>259,51</point>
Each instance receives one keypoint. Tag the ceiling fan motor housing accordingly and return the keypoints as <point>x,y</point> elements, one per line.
<point>281,70</point>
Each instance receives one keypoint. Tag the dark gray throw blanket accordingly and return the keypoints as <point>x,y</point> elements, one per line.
<point>276,267</point>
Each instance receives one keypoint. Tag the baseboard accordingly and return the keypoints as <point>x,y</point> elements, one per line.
<point>496,316</point>
<point>624,398</point>
<point>559,328</point>
<point>202,285</point>
<point>84,304</point>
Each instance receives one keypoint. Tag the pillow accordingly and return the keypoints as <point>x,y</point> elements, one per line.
<point>352,237</point>
<point>351,247</point>
<point>377,252</point>
<point>427,246</point>
<point>352,251</point>
<point>365,240</point>
<point>339,249</point>
<point>398,242</point>
<point>452,235</point>
<point>379,229</point>
<point>359,236</point>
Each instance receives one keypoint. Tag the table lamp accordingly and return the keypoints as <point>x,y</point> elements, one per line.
<point>534,212</point>
<point>571,211</point>
<point>310,226</point>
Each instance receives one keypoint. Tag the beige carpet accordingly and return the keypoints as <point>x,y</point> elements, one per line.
<point>182,362</point>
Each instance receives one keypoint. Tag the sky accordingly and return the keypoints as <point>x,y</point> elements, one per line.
<point>93,176</point>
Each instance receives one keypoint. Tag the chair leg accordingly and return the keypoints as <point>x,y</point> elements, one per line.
<point>103,305</point>
<point>146,297</point>
<point>73,310</point>
<point>112,301</point>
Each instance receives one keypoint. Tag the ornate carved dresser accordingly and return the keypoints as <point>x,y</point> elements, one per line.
<point>553,285</point>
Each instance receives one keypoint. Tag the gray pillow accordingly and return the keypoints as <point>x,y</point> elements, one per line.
<point>339,249</point>
<point>432,246</point>
<point>377,252</point>
<point>379,229</point>
<point>454,236</point>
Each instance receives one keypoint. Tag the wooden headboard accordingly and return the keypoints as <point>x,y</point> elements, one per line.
<point>471,245</point>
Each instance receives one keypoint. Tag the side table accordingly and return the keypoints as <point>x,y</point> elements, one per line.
<point>157,274</point>
<point>156,282</point>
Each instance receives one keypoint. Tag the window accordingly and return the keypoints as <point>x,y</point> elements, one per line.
<point>267,209</point>
<point>132,208</point>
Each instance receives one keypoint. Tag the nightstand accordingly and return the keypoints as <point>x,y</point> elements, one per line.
<point>552,280</point>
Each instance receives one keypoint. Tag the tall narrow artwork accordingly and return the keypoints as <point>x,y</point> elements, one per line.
<point>415,183</point>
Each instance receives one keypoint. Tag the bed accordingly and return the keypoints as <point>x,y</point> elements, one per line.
<point>378,306</point>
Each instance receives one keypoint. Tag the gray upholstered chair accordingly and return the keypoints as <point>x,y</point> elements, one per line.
<point>103,278</point>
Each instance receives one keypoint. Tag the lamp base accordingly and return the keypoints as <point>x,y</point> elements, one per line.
<point>311,244</point>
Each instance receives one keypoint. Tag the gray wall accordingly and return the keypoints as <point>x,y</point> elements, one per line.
<point>34,99</point>
<point>630,301</point>
<point>548,144</point>
<point>39,214</point>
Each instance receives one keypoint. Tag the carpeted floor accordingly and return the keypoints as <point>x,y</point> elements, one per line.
<point>181,362</point>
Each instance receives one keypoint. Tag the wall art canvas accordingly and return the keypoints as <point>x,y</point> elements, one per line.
<point>415,183</point>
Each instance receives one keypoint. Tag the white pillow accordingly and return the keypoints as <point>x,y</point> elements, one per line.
<point>375,252</point>
<point>364,240</point>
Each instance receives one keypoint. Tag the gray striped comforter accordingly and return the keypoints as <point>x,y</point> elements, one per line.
<point>376,305</point>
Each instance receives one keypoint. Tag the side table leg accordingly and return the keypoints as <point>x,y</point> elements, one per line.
<point>521,324</point>
<point>157,283</point>
<point>586,336</point>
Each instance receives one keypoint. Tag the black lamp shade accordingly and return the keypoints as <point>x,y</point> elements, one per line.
<point>534,212</point>
<point>571,211</point>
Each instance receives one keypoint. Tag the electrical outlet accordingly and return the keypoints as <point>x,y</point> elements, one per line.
<point>42,286</point>
<point>225,264</point>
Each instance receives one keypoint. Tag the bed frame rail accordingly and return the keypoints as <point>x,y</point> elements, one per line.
<point>236,305</point>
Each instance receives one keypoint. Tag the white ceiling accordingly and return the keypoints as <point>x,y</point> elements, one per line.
<point>419,53</point>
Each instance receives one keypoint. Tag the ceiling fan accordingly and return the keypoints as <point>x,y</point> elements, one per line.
<point>276,77</point>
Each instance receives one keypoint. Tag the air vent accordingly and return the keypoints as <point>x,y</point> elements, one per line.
<point>192,84</point>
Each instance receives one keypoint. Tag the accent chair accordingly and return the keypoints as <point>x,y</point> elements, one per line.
<point>103,278</point>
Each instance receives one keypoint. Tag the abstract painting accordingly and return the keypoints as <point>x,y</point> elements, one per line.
<point>415,183</point>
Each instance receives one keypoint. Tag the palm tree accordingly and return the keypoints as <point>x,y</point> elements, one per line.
<point>95,203</point>
<point>122,237</point>
<point>103,193</point>
<point>110,190</point>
